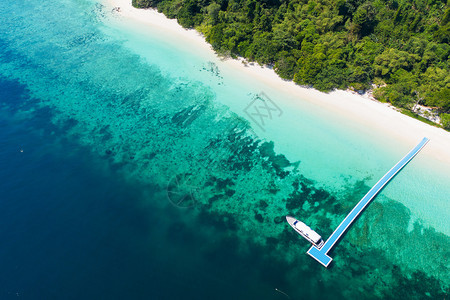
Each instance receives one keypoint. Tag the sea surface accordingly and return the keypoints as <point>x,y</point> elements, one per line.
<point>134,167</point>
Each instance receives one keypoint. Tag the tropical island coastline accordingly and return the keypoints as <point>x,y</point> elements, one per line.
<point>397,50</point>
<point>361,109</point>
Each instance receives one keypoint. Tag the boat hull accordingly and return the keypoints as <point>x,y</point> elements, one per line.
<point>304,233</point>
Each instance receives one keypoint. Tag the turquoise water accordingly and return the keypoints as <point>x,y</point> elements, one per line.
<point>141,176</point>
<point>306,132</point>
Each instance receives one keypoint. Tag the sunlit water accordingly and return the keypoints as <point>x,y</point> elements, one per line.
<point>129,169</point>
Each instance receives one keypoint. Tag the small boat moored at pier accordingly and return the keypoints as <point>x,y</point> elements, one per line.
<point>305,231</point>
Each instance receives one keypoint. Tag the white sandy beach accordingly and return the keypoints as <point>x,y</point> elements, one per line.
<point>354,107</point>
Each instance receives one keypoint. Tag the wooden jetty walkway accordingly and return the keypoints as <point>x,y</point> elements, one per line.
<point>320,254</point>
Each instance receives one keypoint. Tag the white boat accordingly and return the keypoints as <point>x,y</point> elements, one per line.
<point>306,232</point>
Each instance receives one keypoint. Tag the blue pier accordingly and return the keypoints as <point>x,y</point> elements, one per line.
<point>321,254</point>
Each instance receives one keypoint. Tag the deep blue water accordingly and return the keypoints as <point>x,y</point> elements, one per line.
<point>72,229</point>
<point>63,217</point>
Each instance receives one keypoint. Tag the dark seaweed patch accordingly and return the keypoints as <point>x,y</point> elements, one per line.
<point>263,204</point>
<point>259,218</point>
<point>278,220</point>
<point>188,115</point>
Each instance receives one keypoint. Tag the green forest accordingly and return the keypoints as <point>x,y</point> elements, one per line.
<point>398,48</point>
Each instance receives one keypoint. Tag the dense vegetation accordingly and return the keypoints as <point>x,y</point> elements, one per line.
<point>400,47</point>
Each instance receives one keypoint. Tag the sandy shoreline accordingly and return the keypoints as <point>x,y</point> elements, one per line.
<point>357,108</point>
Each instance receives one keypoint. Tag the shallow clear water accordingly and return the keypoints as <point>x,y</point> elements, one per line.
<point>130,169</point>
